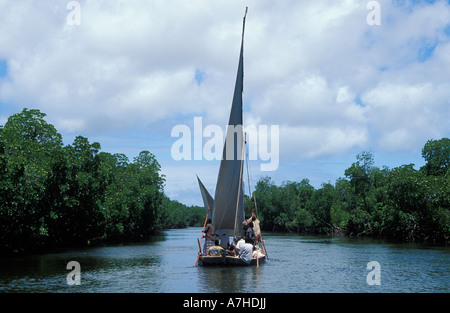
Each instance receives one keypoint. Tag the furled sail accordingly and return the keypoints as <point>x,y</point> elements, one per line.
<point>228,209</point>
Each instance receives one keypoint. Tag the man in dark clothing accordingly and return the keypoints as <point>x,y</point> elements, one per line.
<point>249,233</point>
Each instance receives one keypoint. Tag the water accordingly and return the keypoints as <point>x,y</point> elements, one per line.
<point>296,264</point>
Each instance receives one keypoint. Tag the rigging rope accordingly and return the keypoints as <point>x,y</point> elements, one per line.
<point>250,184</point>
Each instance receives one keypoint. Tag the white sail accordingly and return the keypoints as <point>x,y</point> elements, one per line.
<point>228,209</point>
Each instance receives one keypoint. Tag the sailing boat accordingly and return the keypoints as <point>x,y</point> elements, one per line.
<point>226,209</point>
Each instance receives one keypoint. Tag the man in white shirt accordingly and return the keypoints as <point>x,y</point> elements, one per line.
<point>246,251</point>
<point>240,242</point>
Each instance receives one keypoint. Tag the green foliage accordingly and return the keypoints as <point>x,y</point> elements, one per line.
<point>133,197</point>
<point>29,149</point>
<point>178,215</point>
<point>400,203</point>
<point>437,155</point>
<point>55,195</point>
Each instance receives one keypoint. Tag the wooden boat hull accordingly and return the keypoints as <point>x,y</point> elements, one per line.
<point>228,261</point>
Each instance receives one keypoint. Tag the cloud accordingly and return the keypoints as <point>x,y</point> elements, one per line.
<point>348,85</point>
<point>315,119</point>
<point>128,62</point>
<point>134,69</point>
<point>406,116</point>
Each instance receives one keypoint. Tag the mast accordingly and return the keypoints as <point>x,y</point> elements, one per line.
<point>228,208</point>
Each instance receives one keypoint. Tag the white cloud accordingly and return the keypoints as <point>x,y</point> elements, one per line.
<point>315,118</point>
<point>311,142</point>
<point>406,116</point>
<point>333,83</point>
<point>128,62</point>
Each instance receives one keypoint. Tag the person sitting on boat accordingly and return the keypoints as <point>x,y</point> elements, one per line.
<point>224,240</point>
<point>239,242</point>
<point>231,251</point>
<point>209,234</point>
<point>215,250</point>
<point>257,253</point>
<point>246,251</point>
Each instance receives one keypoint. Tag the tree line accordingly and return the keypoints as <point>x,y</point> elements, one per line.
<point>53,195</point>
<point>401,203</point>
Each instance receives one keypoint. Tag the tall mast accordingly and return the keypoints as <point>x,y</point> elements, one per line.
<point>228,211</point>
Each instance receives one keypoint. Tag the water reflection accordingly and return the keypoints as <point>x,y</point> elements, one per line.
<point>296,264</point>
<point>229,279</point>
<point>102,268</point>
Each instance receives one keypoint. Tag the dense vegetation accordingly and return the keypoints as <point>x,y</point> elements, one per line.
<point>400,203</point>
<point>54,195</point>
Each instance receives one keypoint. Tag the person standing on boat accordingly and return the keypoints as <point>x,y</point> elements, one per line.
<point>256,228</point>
<point>209,234</point>
<point>250,233</point>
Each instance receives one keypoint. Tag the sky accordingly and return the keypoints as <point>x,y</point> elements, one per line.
<point>336,77</point>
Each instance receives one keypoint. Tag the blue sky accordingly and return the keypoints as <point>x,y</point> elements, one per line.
<point>133,70</point>
<point>3,68</point>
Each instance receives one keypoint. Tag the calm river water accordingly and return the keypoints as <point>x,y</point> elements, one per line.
<point>296,264</point>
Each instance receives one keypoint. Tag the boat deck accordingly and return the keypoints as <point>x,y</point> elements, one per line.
<point>229,261</point>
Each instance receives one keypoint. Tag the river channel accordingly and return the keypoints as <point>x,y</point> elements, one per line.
<point>296,264</point>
